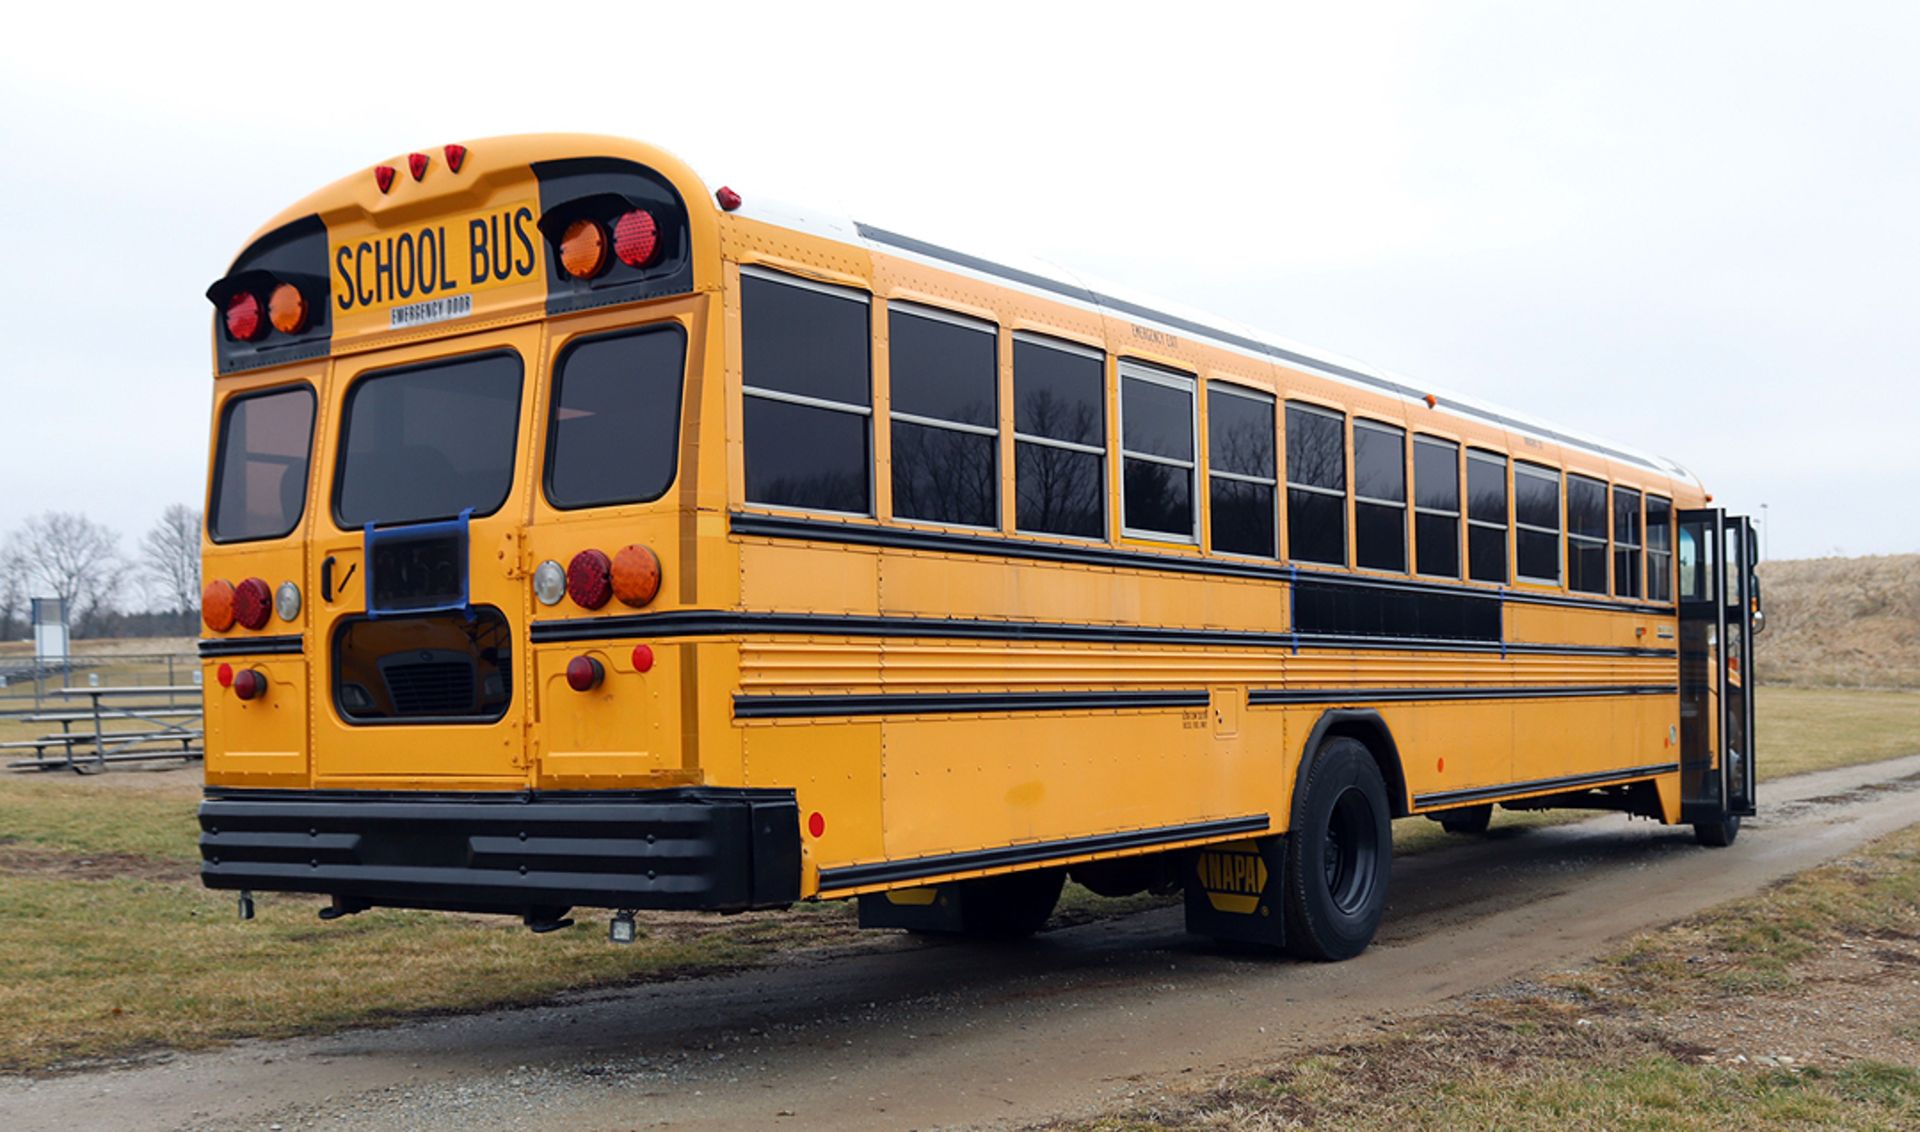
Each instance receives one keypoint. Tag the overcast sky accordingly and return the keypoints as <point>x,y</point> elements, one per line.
<point>1694,228</point>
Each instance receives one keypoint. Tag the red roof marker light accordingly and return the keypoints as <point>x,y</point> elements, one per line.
<point>417,165</point>
<point>456,156</point>
<point>383,176</point>
<point>729,200</point>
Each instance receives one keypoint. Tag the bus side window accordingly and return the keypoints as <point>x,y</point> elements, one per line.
<point>1486,516</point>
<point>1240,470</point>
<point>806,352</point>
<point>1586,535</point>
<point>1536,513</point>
<point>1436,507</point>
<point>1316,485</point>
<point>1157,458</point>
<point>944,383</point>
<point>1626,542</point>
<point>1379,496</point>
<point>1060,434</point>
<point>1659,549</point>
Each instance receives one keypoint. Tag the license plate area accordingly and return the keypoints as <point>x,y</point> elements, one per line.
<point>420,568</point>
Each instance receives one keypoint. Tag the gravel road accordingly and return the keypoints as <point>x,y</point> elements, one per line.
<point>910,1034</point>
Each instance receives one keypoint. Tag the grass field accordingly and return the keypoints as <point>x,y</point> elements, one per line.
<point>112,948</point>
<point>1791,1010</point>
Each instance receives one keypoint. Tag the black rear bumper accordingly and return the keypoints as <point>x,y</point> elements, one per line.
<point>696,848</point>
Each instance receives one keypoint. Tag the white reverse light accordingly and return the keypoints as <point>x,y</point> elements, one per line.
<point>550,582</point>
<point>286,601</point>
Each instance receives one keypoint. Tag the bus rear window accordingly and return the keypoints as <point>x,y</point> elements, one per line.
<point>428,442</point>
<point>616,418</point>
<point>260,469</point>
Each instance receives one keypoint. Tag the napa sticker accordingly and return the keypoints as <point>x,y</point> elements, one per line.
<point>1233,877</point>
<point>430,273</point>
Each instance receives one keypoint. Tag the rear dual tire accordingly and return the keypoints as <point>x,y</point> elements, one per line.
<point>1339,854</point>
<point>1719,833</point>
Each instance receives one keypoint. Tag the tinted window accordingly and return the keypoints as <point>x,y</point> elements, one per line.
<point>429,442</point>
<point>615,432</point>
<point>804,357</point>
<point>944,377</point>
<point>1059,413</point>
<point>1156,454</point>
<point>1626,542</point>
<point>1436,494</point>
<point>446,666</point>
<point>260,478</point>
<point>1659,548</point>
<point>1536,511</point>
<point>1316,486</point>
<point>1380,495</point>
<point>796,339</point>
<point>1242,497</point>
<point>1586,535</point>
<point>941,369</point>
<point>1316,449</point>
<point>1486,517</point>
<point>799,456</point>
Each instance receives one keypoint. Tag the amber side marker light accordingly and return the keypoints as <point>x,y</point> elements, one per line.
<point>583,249</point>
<point>216,605</point>
<point>287,307</point>
<point>636,575</point>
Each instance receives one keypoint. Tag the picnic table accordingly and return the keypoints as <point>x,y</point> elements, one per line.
<point>164,725</point>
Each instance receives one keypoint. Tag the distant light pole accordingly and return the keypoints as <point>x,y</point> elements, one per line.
<point>1766,539</point>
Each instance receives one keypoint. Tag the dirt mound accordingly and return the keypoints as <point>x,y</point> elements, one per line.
<point>1841,622</point>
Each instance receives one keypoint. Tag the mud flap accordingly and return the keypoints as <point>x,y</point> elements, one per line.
<point>1234,891</point>
<point>935,908</point>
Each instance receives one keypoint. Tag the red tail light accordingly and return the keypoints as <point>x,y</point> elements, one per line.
<point>252,603</point>
<point>456,157</point>
<point>249,684</point>
<point>417,165</point>
<point>383,176</point>
<point>590,579</point>
<point>216,605</point>
<point>243,316</point>
<point>585,673</point>
<point>636,238</point>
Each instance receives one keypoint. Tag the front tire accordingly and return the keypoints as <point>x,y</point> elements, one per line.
<point>1717,834</point>
<point>1339,854</point>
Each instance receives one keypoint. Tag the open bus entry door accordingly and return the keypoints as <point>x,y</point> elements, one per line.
<point>1718,600</point>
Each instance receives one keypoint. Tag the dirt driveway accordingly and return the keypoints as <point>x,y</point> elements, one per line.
<point>911,1034</point>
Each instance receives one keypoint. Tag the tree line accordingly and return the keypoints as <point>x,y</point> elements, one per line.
<point>154,591</point>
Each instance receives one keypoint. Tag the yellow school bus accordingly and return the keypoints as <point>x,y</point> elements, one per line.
<point>583,534</point>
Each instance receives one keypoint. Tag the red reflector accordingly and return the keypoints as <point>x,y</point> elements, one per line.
<point>383,176</point>
<point>243,316</point>
<point>249,685</point>
<point>642,658</point>
<point>816,823</point>
<point>636,238</point>
<point>584,674</point>
<point>417,165</point>
<point>252,603</point>
<point>456,156</point>
<point>729,200</point>
<point>590,579</point>
<point>224,674</point>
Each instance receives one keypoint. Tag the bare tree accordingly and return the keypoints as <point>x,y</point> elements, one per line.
<point>13,595</point>
<point>71,557</point>
<point>170,559</point>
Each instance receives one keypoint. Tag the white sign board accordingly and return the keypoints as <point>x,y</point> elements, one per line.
<point>49,629</point>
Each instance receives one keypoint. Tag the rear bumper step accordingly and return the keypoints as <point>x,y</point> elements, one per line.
<point>695,848</point>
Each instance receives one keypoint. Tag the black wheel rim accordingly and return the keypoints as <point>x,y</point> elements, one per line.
<point>1352,848</point>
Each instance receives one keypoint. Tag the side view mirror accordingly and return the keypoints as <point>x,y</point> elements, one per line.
<point>1759,614</point>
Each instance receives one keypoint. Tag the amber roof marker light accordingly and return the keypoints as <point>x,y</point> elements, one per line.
<point>583,249</point>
